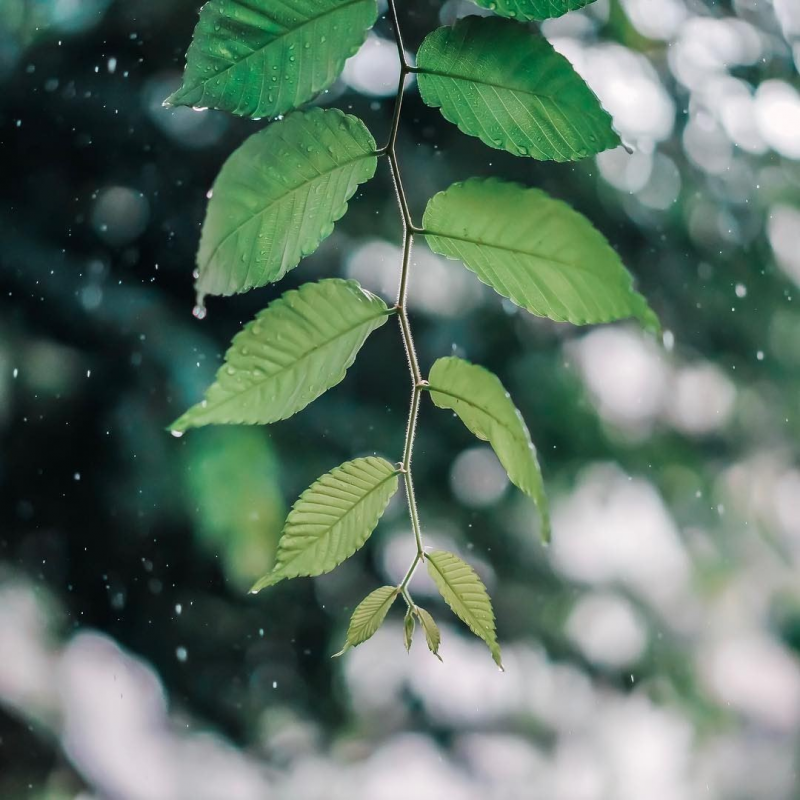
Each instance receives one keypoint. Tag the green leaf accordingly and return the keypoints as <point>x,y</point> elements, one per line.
<point>369,616</point>
<point>532,9</point>
<point>496,80</point>
<point>535,251</point>
<point>261,58</point>
<point>408,630</point>
<point>431,629</point>
<point>485,407</point>
<point>466,595</point>
<point>332,519</point>
<point>293,351</point>
<point>278,196</point>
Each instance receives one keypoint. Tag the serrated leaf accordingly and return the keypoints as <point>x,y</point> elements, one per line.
<point>408,629</point>
<point>532,9</point>
<point>261,58</point>
<point>278,196</point>
<point>332,519</point>
<point>369,616</point>
<point>292,352</point>
<point>481,402</point>
<point>466,595</point>
<point>431,630</point>
<point>534,250</point>
<point>496,80</point>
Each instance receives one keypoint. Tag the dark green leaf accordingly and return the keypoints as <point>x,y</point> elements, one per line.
<point>535,251</point>
<point>484,406</point>
<point>296,349</point>
<point>332,519</point>
<point>408,629</point>
<point>466,595</point>
<point>261,58</point>
<point>498,81</point>
<point>278,196</point>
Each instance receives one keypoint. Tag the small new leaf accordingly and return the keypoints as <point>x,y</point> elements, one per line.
<point>496,80</point>
<point>278,196</point>
<point>332,519</point>
<point>466,595</point>
<point>295,350</point>
<point>480,400</point>
<point>368,617</point>
<point>260,59</point>
<point>532,9</point>
<point>534,250</point>
<point>408,630</point>
<point>431,629</point>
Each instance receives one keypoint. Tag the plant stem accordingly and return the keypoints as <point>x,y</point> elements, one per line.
<point>402,313</point>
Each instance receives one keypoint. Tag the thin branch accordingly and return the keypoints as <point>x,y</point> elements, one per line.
<point>417,381</point>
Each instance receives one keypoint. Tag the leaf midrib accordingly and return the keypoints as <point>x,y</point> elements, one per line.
<point>557,261</point>
<point>538,95</point>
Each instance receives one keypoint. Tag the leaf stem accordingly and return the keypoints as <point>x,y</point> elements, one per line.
<point>402,296</point>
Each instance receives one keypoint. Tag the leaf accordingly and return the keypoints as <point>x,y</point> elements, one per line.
<point>368,617</point>
<point>234,499</point>
<point>532,9</point>
<point>291,353</point>
<point>278,196</point>
<point>408,630</point>
<point>485,407</point>
<point>332,519</point>
<point>261,58</point>
<point>466,595</point>
<point>431,630</point>
<point>496,80</point>
<point>534,250</point>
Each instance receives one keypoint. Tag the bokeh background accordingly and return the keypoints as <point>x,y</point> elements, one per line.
<point>651,650</point>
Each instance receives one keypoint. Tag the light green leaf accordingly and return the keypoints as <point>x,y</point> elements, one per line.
<point>466,595</point>
<point>534,250</point>
<point>293,351</point>
<point>332,519</point>
<point>278,196</point>
<point>532,9</point>
<point>485,407</point>
<point>408,630</point>
<point>497,80</point>
<point>431,629</point>
<point>261,58</point>
<point>369,616</point>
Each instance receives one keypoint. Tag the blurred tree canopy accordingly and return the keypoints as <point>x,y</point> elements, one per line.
<point>665,614</point>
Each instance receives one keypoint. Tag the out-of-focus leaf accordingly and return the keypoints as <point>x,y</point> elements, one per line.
<point>532,9</point>
<point>485,407</point>
<point>234,499</point>
<point>368,616</point>
<point>466,595</point>
<point>278,196</point>
<point>258,58</point>
<point>295,350</point>
<point>534,250</point>
<point>332,519</point>
<point>431,629</point>
<point>497,80</point>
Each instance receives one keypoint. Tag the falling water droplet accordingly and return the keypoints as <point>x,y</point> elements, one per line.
<point>199,312</point>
